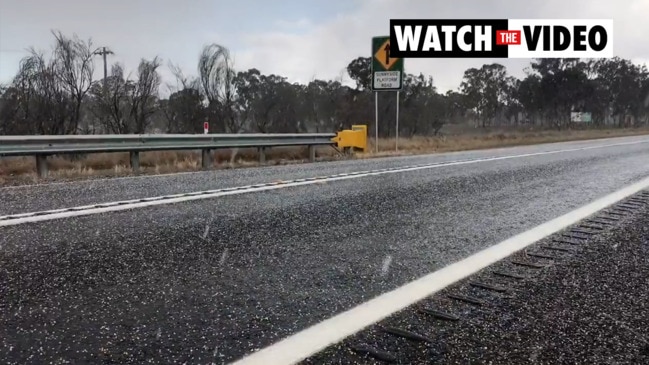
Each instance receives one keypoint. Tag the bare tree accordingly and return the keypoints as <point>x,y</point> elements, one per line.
<point>74,67</point>
<point>183,110</point>
<point>111,102</point>
<point>50,93</point>
<point>213,65</point>
<point>42,104</point>
<point>183,81</point>
<point>217,78</point>
<point>125,105</point>
<point>144,94</point>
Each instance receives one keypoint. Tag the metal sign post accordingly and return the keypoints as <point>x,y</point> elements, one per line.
<point>396,141</point>
<point>387,75</point>
<point>376,121</point>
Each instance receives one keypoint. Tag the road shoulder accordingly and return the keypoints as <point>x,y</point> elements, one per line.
<point>586,305</point>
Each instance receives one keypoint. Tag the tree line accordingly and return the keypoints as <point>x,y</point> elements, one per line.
<point>57,94</point>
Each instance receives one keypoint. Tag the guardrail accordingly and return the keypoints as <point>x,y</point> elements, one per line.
<point>43,146</point>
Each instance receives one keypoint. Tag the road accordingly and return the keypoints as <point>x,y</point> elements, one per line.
<point>210,280</point>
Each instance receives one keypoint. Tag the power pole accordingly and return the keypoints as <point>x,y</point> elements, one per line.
<point>104,52</point>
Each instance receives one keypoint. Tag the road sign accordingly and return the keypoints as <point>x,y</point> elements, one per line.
<point>206,127</point>
<point>387,72</point>
<point>580,117</point>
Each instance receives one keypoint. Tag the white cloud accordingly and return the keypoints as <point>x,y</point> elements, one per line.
<point>301,24</point>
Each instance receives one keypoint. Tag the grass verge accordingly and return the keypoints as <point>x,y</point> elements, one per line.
<point>21,170</point>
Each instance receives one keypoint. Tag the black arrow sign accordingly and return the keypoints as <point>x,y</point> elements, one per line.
<point>387,54</point>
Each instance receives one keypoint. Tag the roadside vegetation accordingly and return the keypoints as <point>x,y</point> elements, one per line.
<point>58,92</point>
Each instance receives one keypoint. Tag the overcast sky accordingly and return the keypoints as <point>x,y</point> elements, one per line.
<point>299,39</point>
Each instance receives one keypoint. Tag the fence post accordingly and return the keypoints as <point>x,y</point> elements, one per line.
<point>206,160</point>
<point>262,155</point>
<point>41,165</point>
<point>135,160</point>
<point>311,153</point>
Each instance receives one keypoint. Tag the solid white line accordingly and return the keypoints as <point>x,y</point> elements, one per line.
<point>303,344</point>
<point>177,198</point>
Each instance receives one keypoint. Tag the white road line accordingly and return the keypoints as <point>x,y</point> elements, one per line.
<point>378,159</point>
<point>299,346</point>
<point>21,218</point>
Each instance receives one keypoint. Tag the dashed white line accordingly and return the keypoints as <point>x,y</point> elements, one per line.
<point>21,218</point>
<point>117,178</point>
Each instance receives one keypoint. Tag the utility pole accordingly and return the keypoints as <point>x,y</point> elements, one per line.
<point>104,52</point>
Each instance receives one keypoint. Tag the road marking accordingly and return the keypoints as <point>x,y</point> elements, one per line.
<point>310,341</point>
<point>21,218</point>
<point>374,159</point>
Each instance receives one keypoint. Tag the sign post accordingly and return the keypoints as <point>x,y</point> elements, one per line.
<point>206,127</point>
<point>396,141</point>
<point>387,75</point>
<point>376,121</point>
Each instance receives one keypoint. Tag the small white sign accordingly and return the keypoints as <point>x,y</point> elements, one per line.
<point>581,117</point>
<point>387,79</point>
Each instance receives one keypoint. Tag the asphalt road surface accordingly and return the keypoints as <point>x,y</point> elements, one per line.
<point>578,300</point>
<point>211,280</point>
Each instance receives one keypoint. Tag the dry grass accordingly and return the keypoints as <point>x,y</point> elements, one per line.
<point>21,170</point>
<point>496,139</point>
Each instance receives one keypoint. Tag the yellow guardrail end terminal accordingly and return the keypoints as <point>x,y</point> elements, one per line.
<point>355,138</point>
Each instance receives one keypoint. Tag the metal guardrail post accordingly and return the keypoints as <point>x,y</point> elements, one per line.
<point>135,160</point>
<point>262,155</point>
<point>41,165</point>
<point>311,153</point>
<point>206,159</point>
